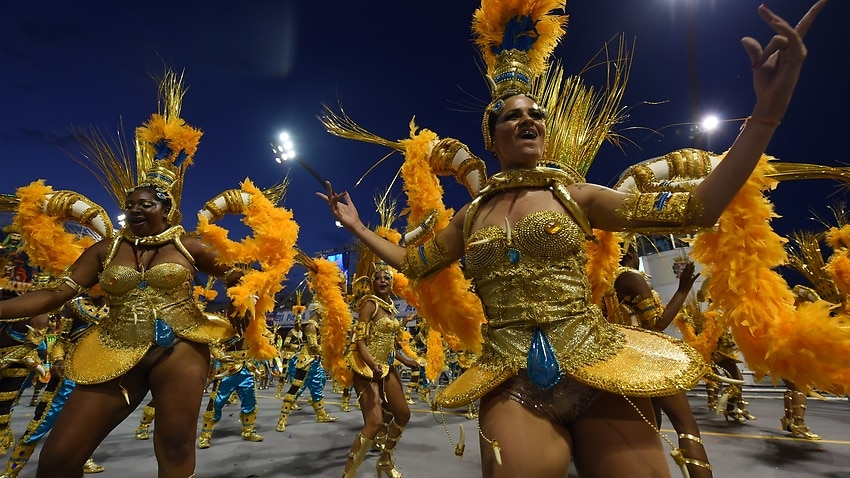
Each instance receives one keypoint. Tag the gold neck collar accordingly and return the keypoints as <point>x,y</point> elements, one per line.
<point>531,177</point>
<point>163,237</point>
<point>388,306</point>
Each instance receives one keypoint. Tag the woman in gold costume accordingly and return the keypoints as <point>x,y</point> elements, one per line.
<point>154,339</point>
<point>376,383</point>
<point>552,370</point>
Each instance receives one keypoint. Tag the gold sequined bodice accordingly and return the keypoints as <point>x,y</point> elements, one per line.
<point>537,279</point>
<point>381,339</point>
<point>137,298</point>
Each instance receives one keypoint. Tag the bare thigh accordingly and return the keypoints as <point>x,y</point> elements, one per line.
<point>91,412</point>
<point>612,439</point>
<point>395,401</point>
<point>368,395</point>
<point>177,386</point>
<point>531,445</point>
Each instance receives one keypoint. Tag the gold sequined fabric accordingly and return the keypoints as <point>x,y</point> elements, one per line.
<point>727,347</point>
<point>639,311</point>
<point>135,299</point>
<point>536,278</point>
<point>381,341</point>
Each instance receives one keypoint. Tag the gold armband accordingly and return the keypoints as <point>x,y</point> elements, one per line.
<point>669,208</point>
<point>313,344</point>
<point>421,261</point>
<point>66,280</point>
<point>361,331</point>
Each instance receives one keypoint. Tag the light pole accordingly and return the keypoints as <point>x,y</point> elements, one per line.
<point>285,151</point>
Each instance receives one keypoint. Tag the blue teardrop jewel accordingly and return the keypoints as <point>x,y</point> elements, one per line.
<point>513,255</point>
<point>143,284</point>
<point>543,368</point>
<point>163,333</point>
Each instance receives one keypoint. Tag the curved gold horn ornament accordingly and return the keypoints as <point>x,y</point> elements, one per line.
<point>65,204</point>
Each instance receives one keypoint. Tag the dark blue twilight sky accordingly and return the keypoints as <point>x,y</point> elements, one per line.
<point>258,67</point>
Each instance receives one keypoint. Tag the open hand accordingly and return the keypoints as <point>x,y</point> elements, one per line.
<point>341,206</point>
<point>776,67</point>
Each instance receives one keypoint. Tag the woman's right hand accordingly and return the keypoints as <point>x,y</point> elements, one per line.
<point>377,370</point>
<point>341,206</point>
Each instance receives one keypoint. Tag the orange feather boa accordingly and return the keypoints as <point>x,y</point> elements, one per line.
<point>806,344</point>
<point>272,247</point>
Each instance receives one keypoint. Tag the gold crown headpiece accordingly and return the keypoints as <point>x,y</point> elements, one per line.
<point>515,38</point>
<point>381,266</point>
<point>166,145</point>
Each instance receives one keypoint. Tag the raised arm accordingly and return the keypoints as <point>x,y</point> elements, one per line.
<point>776,69</point>
<point>450,239</point>
<point>674,305</point>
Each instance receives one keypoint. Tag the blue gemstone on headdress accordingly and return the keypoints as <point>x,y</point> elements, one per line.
<point>163,333</point>
<point>513,255</point>
<point>498,105</point>
<point>143,284</point>
<point>542,364</point>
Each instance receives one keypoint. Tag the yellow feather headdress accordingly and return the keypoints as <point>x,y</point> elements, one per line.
<point>164,147</point>
<point>515,38</point>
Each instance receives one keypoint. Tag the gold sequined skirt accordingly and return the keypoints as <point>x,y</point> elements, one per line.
<point>649,364</point>
<point>357,365</point>
<point>101,355</point>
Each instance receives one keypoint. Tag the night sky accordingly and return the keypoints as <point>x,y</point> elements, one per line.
<point>256,68</point>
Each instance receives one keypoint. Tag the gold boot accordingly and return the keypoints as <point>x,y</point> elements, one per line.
<point>728,401</point>
<point>288,401</point>
<point>345,405</point>
<point>206,430</point>
<point>280,383</point>
<point>794,423</point>
<point>145,422</point>
<point>356,455</point>
<point>471,412</point>
<point>19,457</point>
<point>711,389</point>
<point>92,467</point>
<point>248,421</point>
<point>321,415</point>
<point>385,464</point>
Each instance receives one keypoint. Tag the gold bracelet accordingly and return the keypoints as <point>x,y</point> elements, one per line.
<point>766,122</point>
